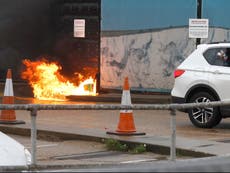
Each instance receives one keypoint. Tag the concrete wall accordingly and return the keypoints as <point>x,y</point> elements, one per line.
<point>146,40</point>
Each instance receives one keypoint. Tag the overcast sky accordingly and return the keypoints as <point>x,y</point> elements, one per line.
<point>150,14</point>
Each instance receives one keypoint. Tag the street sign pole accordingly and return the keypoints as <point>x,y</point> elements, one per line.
<point>199,15</point>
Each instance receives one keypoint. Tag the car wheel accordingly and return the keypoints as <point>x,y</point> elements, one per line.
<point>207,117</point>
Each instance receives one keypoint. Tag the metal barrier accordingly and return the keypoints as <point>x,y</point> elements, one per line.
<point>34,108</point>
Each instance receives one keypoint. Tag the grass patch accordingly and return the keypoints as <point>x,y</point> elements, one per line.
<point>140,148</point>
<point>115,145</point>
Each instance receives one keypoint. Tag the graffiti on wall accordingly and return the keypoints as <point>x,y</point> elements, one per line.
<point>148,46</point>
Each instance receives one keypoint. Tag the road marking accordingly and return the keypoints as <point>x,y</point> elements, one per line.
<point>137,161</point>
<point>45,145</point>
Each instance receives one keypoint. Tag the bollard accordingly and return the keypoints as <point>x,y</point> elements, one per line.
<point>33,114</point>
<point>173,135</point>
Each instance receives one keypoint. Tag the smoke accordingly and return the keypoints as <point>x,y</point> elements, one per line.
<point>25,31</point>
<point>31,29</point>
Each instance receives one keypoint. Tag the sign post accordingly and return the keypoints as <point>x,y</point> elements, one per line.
<point>198,28</point>
<point>79,28</point>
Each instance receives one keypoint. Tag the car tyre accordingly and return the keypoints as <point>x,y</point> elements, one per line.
<point>207,117</point>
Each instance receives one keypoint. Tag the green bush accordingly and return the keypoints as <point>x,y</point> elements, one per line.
<point>141,148</point>
<point>115,145</point>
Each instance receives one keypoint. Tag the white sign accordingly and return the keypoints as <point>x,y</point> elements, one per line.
<point>79,28</point>
<point>198,28</point>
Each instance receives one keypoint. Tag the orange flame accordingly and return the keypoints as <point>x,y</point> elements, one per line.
<point>49,84</point>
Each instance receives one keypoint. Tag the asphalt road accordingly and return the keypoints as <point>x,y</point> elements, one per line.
<point>220,164</point>
<point>79,152</point>
<point>152,122</point>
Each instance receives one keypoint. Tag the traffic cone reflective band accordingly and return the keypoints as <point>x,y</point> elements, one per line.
<point>126,124</point>
<point>9,116</point>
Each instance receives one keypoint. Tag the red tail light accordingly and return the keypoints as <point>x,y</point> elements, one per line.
<point>178,73</point>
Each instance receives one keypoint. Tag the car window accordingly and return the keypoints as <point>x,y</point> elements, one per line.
<point>218,56</point>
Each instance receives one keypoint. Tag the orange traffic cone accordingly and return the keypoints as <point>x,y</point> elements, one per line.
<point>8,116</point>
<point>126,124</point>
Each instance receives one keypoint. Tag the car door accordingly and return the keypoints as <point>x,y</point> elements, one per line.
<point>219,76</point>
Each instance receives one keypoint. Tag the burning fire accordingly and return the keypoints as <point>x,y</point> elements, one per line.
<point>49,84</point>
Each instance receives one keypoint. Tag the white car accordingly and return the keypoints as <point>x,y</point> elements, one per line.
<point>204,76</point>
<point>12,153</point>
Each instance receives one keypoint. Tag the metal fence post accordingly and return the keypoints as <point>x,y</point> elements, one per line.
<point>173,135</point>
<point>33,114</point>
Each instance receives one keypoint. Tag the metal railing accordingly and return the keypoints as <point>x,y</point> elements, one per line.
<point>34,108</point>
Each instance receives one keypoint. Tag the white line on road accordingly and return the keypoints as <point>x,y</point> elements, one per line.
<point>137,161</point>
<point>47,145</point>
